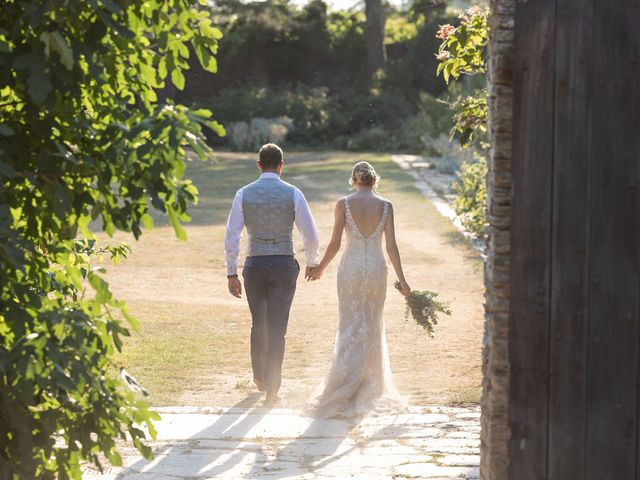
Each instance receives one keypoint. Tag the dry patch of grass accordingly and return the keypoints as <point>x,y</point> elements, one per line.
<point>179,346</point>
<point>193,346</point>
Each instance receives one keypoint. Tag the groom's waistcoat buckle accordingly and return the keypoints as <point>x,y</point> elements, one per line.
<point>272,241</point>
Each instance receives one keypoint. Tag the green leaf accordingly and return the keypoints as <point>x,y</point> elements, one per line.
<point>183,49</point>
<point>217,128</point>
<point>148,74</point>
<point>39,86</point>
<point>135,325</point>
<point>173,217</point>
<point>207,60</point>
<point>75,275</point>
<point>177,78</point>
<point>147,221</point>
<point>56,42</point>
<point>83,225</point>
<point>114,458</point>
<point>112,6</point>
<point>196,144</point>
<point>200,114</point>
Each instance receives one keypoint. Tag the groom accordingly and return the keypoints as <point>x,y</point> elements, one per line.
<point>268,208</point>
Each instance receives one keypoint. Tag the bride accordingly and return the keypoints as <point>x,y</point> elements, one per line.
<point>360,377</point>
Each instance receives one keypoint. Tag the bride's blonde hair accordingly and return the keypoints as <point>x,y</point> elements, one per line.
<point>363,173</point>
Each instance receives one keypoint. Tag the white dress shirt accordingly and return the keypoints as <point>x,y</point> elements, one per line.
<point>303,220</point>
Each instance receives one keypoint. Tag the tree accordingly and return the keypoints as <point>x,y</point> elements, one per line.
<point>376,54</point>
<point>82,138</point>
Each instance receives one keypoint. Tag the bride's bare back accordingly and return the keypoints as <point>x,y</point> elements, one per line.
<point>367,210</point>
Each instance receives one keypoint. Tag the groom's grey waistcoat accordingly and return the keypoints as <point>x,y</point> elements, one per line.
<point>269,214</point>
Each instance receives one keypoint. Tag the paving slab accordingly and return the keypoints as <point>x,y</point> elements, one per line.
<point>194,443</point>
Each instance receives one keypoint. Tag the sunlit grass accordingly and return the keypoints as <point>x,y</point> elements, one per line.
<point>193,345</point>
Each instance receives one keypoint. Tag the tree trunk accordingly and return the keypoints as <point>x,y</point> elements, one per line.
<point>376,54</point>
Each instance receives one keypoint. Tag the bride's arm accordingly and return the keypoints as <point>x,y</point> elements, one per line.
<point>334,244</point>
<point>394,253</point>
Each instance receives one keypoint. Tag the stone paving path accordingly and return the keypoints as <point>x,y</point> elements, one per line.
<point>239,443</point>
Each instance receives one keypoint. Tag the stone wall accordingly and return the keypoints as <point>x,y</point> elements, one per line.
<point>495,361</point>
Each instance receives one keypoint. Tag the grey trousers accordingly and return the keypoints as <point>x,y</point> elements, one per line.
<point>270,284</point>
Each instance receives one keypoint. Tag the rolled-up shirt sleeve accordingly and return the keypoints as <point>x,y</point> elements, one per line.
<point>306,225</point>
<point>235,224</point>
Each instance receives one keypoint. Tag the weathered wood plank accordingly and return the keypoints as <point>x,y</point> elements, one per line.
<point>569,272</point>
<point>531,238</point>
<point>614,236</point>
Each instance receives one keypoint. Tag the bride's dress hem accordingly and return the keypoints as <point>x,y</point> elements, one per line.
<point>378,407</point>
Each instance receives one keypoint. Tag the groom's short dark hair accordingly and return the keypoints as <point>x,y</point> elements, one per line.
<point>270,156</point>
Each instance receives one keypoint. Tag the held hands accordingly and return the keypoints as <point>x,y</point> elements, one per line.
<point>313,273</point>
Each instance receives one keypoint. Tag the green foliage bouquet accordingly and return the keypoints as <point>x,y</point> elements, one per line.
<point>424,308</point>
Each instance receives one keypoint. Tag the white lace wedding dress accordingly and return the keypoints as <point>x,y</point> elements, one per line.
<point>360,379</point>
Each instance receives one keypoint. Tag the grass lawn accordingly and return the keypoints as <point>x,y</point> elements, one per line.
<point>193,344</point>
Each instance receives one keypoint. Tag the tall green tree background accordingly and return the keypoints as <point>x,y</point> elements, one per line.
<point>83,137</point>
<point>356,79</point>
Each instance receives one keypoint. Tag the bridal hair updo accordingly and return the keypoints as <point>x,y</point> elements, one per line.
<point>363,173</point>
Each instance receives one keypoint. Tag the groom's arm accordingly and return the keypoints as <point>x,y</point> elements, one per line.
<point>306,225</point>
<point>235,224</point>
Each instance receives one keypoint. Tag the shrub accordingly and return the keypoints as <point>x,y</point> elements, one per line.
<point>305,108</point>
<point>436,114</point>
<point>444,148</point>
<point>470,203</point>
<point>316,118</point>
<point>374,138</point>
<point>463,53</point>
<point>408,138</point>
<point>249,136</point>
<point>355,111</point>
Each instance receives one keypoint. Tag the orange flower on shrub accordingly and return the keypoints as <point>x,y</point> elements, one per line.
<point>475,11</point>
<point>445,31</point>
